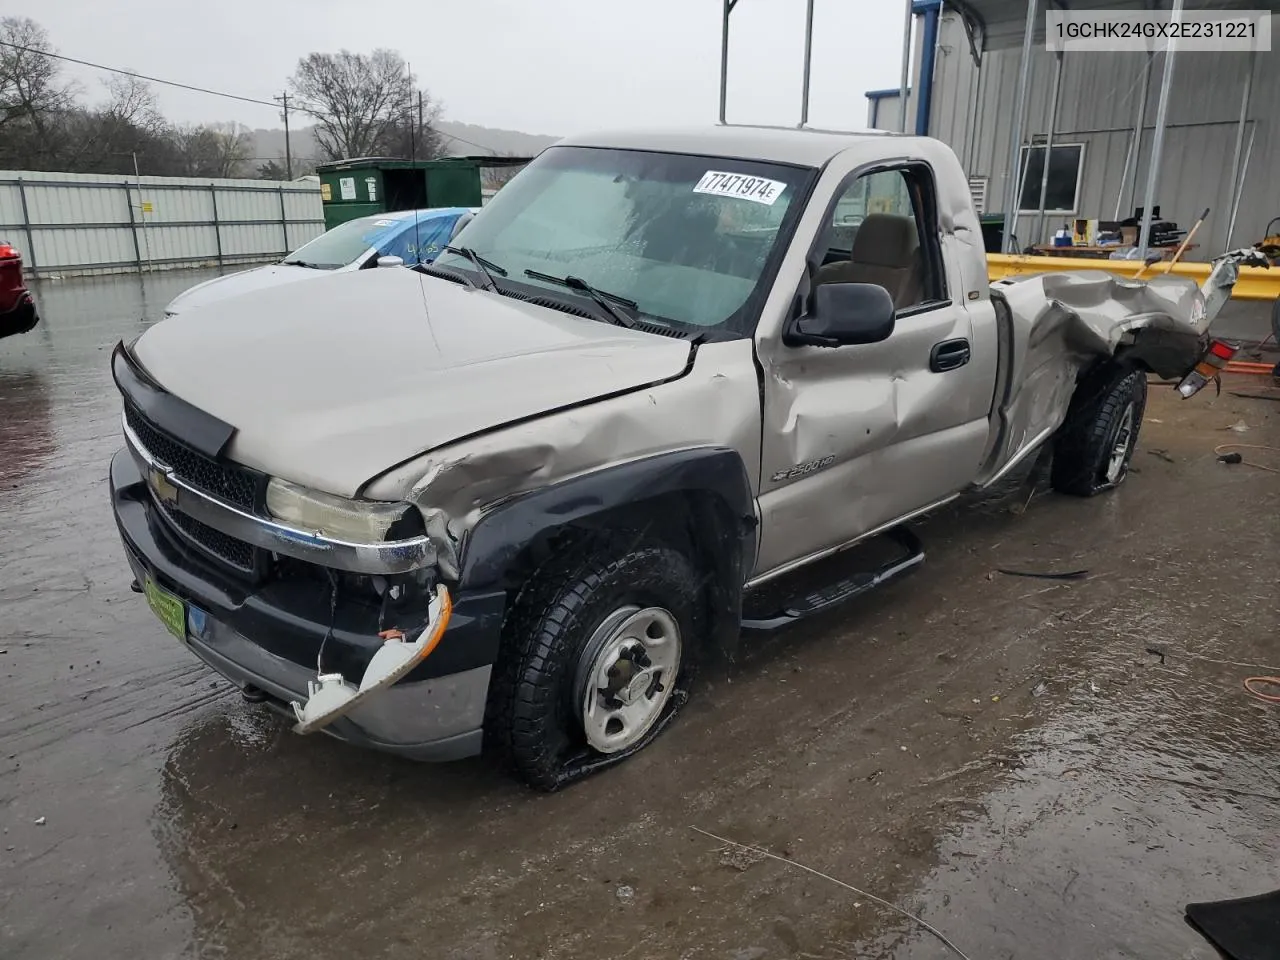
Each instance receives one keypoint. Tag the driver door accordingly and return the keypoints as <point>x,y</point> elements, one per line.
<point>856,437</point>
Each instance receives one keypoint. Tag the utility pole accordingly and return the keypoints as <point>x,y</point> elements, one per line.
<point>808,62</point>
<point>142,211</point>
<point>904,85</point>
<point>288,150</point>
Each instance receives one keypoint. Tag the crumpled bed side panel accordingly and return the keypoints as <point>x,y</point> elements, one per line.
<point>1064,323</point>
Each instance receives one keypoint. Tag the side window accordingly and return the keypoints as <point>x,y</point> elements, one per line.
<point>878,234</point>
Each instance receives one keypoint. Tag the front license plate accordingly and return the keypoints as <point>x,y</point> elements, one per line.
<point>171,611</point>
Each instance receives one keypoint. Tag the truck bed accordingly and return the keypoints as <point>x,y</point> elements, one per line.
<point>1055,326</point>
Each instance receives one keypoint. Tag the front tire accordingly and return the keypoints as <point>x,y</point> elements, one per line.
<point>594,652</point>
<point>1097,441</point>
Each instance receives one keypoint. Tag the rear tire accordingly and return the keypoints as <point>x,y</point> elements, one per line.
<point>1097,441</point>
<point>597,614</point>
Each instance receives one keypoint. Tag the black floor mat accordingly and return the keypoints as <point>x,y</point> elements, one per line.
<point>1245,929</point>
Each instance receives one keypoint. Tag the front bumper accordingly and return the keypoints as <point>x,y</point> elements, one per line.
<point>21,319</point>
<point>268,636</point>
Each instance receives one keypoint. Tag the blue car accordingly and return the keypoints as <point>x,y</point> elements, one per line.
<point>354,245</point>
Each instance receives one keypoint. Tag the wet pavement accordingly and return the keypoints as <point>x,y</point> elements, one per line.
<point>1036,768</point>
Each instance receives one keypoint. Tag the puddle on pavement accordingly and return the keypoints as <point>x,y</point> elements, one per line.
<point>1156,785</point>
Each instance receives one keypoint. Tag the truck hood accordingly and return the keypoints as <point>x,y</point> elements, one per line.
<point>235,284</point>
<point>332,382</point>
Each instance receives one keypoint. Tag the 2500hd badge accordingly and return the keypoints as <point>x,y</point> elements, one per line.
<point>803,469</point>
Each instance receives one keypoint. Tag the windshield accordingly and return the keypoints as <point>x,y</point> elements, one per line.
<point>687,238</point>
<point>343,244</point>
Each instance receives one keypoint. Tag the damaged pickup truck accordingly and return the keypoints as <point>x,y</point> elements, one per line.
<point>511,499</point>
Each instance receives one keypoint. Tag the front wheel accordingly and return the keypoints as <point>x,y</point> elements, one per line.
<point>595,652</point>
<point>1097,441</point>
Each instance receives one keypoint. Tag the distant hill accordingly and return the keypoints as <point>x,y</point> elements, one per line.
<point>465,138</point>
<point>497,141</point>
<point>269,144</point>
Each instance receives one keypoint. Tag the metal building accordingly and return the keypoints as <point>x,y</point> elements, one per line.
<point>1220,126</point>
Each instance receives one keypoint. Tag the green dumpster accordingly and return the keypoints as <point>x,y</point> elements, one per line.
<point>371,185</point>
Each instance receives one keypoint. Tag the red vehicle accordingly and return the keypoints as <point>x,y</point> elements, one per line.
<point>17,309</point>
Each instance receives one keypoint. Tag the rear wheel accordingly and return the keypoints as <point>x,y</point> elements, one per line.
<point>595,652</point>
<point>1097,441</point>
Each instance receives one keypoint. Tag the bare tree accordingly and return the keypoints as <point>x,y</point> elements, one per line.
<point>272,170</point>
<point>29,83</point>
<point>108,138</point>
<point>233,145</point>
<point>213,150</point>
<point>413,133</point>
<point>46,125</point>
<point>497,177</point>
<point>276,170</point>
<point>132,102</point>
<point>358,101</point>
<point>31,92</point>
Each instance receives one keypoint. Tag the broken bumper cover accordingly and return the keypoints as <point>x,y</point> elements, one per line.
<point>330,697</point>
<point>268,637</point>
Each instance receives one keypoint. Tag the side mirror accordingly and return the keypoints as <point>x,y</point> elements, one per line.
<point>845,313</point>
<point>391,261</point>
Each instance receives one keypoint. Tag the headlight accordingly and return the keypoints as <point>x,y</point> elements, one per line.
<point>355,521</point>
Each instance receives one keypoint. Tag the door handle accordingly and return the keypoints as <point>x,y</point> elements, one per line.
<point>949,355</point>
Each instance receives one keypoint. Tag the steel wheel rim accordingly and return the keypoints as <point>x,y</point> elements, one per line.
<point>1123,443</point>
<point>626,676</point>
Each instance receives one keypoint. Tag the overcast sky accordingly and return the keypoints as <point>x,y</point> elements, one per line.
<point>539,66</point>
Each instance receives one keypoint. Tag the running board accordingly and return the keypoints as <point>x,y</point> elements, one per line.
<point>836,593</point>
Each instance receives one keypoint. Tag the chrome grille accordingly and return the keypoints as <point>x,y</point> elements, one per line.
<point>234,552</point>
<point>232,483</point>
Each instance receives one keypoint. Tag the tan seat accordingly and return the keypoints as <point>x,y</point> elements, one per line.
<point>886,252</point>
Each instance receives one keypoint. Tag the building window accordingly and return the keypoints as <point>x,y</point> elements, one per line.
<point>1066,165</point>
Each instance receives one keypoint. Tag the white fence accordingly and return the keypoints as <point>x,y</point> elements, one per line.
<point>68,223</point>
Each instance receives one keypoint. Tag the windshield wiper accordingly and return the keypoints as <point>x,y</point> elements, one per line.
<point>302,263</point>
<point>487,267</point>
<point>603,298</point>
<point>448,273</point>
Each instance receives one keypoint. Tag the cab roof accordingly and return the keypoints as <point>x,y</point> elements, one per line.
<point>804,147</point>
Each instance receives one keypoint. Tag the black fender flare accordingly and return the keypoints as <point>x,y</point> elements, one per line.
<point>725,537</point>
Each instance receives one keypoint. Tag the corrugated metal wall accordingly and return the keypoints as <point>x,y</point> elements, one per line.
<point>973,112</point>
<point>67,224</point>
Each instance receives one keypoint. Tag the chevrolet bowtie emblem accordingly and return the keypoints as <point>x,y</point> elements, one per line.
<point>162,487</point>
